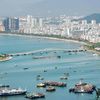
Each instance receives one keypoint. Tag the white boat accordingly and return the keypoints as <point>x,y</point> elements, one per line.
<point>11,92</point>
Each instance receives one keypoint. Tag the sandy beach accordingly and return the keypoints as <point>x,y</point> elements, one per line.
<point>42,37</point>
<point>6,59</point>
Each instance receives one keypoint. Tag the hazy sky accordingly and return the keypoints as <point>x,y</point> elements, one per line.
<point>48,7</point>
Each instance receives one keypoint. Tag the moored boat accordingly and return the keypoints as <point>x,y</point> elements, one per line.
<point>63,78</point>
<point>25,68</point>
<point>39,78</point>
<point>11,92</point>
<point>53,83</point>
<point>4,86</point>
<point>41,85</point>
<point>82,88</point>
<point>34,95</point>
<point>50,89</point>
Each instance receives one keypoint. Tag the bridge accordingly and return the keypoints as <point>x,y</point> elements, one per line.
<point>46,50</point>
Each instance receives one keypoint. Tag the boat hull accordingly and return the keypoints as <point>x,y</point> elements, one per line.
<point>12,94</point>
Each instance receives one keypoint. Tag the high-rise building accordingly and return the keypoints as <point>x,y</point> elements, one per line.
<point>11,24</point>
<point>84,22</point>
<point>93,22</point>
<point>22,24</point>
<point>41,22</point>
<point>1,25</point>
<point>6,24</point>
<point>35,22</point>
<point>29,25</point>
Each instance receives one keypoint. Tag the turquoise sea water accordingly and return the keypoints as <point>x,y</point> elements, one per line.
<point>78,65</point>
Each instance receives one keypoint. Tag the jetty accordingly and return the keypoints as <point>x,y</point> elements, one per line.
<point>46,50</point>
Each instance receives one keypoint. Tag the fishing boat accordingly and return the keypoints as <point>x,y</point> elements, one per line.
<point>63,78</point>
<point>25,68</point>
<point>82,88</point>
<point>39,78</point>
<point>4,86</point>
<point>33,95</point>
<point>50,89</point>
<point>54,83</point>
<point>41,85</point>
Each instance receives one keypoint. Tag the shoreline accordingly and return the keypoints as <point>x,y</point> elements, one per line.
<point>6,59</point>
<point>93,51</point>
<point>51,38</point>
<point>43,37</point>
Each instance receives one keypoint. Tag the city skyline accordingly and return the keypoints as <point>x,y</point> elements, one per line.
<point>48,7</point>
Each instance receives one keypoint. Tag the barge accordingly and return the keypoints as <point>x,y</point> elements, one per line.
<point>82,88</point>
<point>54,83</point>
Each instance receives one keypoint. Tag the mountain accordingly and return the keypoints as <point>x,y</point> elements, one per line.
<point>95,16</point>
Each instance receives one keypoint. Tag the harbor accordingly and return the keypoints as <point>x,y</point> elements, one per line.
<point>26,73</point>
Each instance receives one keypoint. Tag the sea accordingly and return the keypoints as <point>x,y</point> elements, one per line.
<point>22,71</point>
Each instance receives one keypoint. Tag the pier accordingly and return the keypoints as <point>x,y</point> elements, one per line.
<point>46,50</point>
